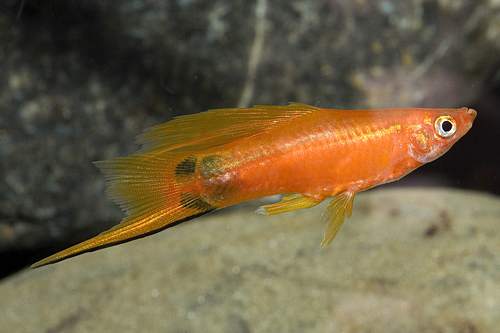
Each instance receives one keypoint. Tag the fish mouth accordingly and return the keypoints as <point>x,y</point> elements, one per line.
<point>472,112</point>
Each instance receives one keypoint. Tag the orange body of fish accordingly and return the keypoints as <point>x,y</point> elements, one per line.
<point>195,164</point>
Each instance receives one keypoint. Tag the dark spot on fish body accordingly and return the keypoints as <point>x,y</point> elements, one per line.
<point>186,168</point>
<point>194,201</point>
<point>220,179</point>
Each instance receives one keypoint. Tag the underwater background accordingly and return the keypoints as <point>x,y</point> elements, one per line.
<point>78,82</point>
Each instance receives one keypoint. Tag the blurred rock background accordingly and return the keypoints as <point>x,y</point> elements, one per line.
<point>79,80</point>
<point>409,260</point>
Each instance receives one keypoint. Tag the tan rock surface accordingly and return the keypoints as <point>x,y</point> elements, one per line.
<point>407,260</point>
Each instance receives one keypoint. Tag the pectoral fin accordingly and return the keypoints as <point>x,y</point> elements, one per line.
<point>338,208</point>
<point>288,202</point>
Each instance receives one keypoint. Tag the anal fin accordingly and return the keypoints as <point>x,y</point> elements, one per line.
<point>288,203</point>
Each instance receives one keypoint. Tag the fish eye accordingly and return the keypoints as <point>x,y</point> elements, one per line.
<point>445,126</point>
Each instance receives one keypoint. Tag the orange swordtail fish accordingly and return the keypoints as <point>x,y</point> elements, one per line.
<point>197,163</point>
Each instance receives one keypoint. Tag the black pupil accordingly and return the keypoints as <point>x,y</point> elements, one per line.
<point>446,126</point>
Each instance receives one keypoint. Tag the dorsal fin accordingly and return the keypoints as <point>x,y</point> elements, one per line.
<point>198,132</point>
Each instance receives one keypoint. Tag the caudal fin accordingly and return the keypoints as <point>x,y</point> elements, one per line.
<point>155,190</point>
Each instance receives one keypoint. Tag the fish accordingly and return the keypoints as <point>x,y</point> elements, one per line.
<point>195,164</point>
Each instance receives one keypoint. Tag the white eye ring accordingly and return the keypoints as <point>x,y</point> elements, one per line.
<point>445,126</point>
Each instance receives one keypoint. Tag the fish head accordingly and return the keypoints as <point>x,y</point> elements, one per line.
<point>433,132</point>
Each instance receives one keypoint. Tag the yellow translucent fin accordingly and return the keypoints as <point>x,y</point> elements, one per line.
<point>288,202</point>
<point>156,191</point>
<point>198,132</point>
<point>339,208</point>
